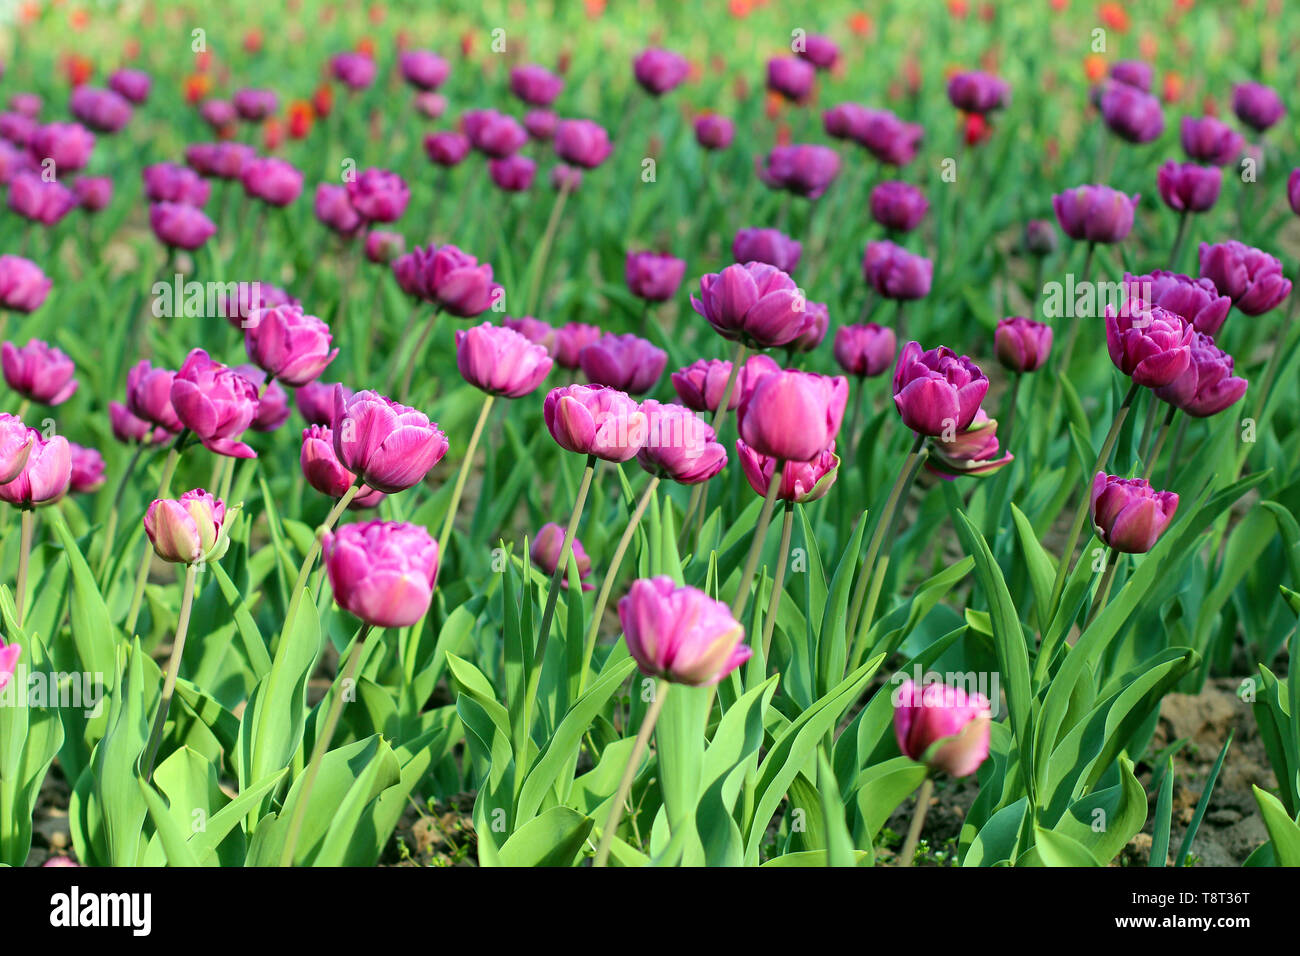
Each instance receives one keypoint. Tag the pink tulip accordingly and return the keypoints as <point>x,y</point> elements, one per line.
<point>93,193</point>
<point>423,69</point>
<point>679,445</point>
<point>180,226</point>
<point>1196,300</point>
<point>315,402</point>
<point>978,92</point>
<point>1252,278</point>
<point>865,351</point>
<point>335,211</point>
<point>102,110</point>
<point>255,105</point>
<point>324,472</point>
<point>288,344</point>
<point>132,85</point>
<point>38,372</point>
<point>541,125</point>
<point>188,529</point>
<point>943,727</point>
<point>570,339</point>
<point>23,286</point>
<point>1208,386</point>
<point>500,361</point>
<point>1147,343</point>
<point>535,85</point>
<point>545,554</point>
<point>378,195</point>
<point>582,143</point>
<point>271,180</point>
<point>45,476</point>
<point>390,446</point>
<point>514,174</point>
<point>167,182</point>
<point>1021,344</point>
<point>626,362</point>
<point>67,145</point>
<point>969,453</point>
<point>493,134</point>
<point>87,469</point>
<point>700,385</point>
<point>793,415</point>
<point>790,77</point>
<point>129,429</point>
<point>534,330</point>
<point>216,403</point>
<point>895,273</point>
<point>595,420</point>
<point>148,396</point>
<point>653,276</point>
<point>1128,514</point>
<point>937,392</point>
<point>39,201</point>
<point>383,247</point>
<point>767,245</point>
<point>382,571</point>
<point>755,303</point>
<point>16,441</point>
<point>356,71</point>
<point>272,402</point>
<point>9,654</point>
<point>446,148</point>
<point>806,170</point>
<point>680,633</point>
<point>714,132</point>
<point>801,481</point>
<point>660,71</point>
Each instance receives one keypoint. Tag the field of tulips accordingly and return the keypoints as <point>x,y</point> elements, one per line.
<point>620,434</point>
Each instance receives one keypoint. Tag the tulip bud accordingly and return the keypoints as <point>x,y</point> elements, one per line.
<point>895,273</point>
<point>546,550</point>
<point>659,71</point>
<point>1187,187</point>
<point>801,481</point>
<point>1021,344</point>
<point>382,571</point>
<point>977,92</point>
<point>500,361</point>
<point>625,362</point>
<point>44,476</point>
<point>423,69</point>
<point>187,530</point>
<point>898,206</point>
<point>535,85</point>
<point>23,286</point>
<point>1128,514</point>
<point>679,445</point>
<point>680,633</point>
<point>1258,106</point>
<point>216,403</point>
<point>180,226</point>
<point>1251,278</point>
<point>938,392</point>
<point>943,727</point>
<point>793,415</point>
<point>288,344</point>
<point>38,372</point>
<point>1131,114</point>
<point>16,441</point>
<point>865,351</point>
<point>652,276</point>
<point>1095,213</point>
<point>87,469</point>
<point>1149,344</point>
<point>595,420</point>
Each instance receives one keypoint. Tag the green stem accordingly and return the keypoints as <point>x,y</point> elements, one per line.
<point>24,558</point>
<point>918,821</point>
<point>756,543</point>
<point>719,413</point>
<point>445,537</point>
<point>414,360</point>
<point>110,525</point>
<point>1160,442</point>
<point>322,745</point>
<point>1183,222</point>
<point>142,572</point>
<point>1103,590</point>
<point>548,237</point>
<point>173,668</point>
<point>629,772</point>
<point>611,575</point>
<point>778,583</point>
<point>309,561</point>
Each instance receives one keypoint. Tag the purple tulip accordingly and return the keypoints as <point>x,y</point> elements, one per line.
<point>446,148</point>
<point>595,420</point>
<point>653,276</point>
<point>9,654</point>
<point>287,344</point>
<point>315,401</point>
<point>67,145</point>
<point>389,446</point>
<point>167,182</point>
<point>801,481</point>
<point>896,273</point>
<point>87,469</point>
<point>1040,238</point>
<point>754,303</point>
<point>1131,114</point>
<point>790,77</point>
<point>514,174</point>
<point>541,125</point>
<point>324,472</point>
<point>713,131</point>
<point>820,51</point>
<point>16,441</point>
<point>39,201</point>
<point>978,92</point>
<point>865,351</point>
<point>624,362</point>
<point>898,206</point>
<point>378,195</point>
<point>803,170</point>
<point>547,547</point>
<point>149,396</point>
<point>1133,72</point>
<point>793,415</point>
<point>219,160</point>
<point>432,105</point>
<point>93,192</point>
<point>383,247</point>
<point>356,71</point>
<point>680,633</point>
<point>937,392</point>
<point>23,286</point>
<point>582,143</point>
<point>846,121</point>
<point>535,85</point>
<point>1095,213</point>
<point>1210,140</point>
<point>1021,344</point>
<point>1208,386</point>
<point>272,403</point>
<point>38,372</point>
<point>701,384</point>
<point>102,110</point>
<point>255,105</point>
<point>1293,191</point>
<point>660,71</point>
<point>180,226</point>
<point>814,330</point>
<point>1128,514</point>
<point>942,726</point>
<point>493,134</point>
<point>26,104</point>
<point>570,339</point>
<point>272,180</point>
<point>500,361</point>
<point>568,178</point>
<point>133,85</point>
<point>679,445</point>
<point>1149,344</point>
<point>382,571</point>
<point>972,453</point>
<point>216,403</point>
<point>1258,106</point>
<point>13,160</point>
<point>186,530</point>
<point>130,430</point>
<point>249,297</point>
<point>534,330</point>
<point>1187,187</point>
<point>221,115</point>
<point>455,280</point>
<point>767,245</point>
<point>1251,278</point>
<point>1196,300</point>
<point>44,477</point>
<point>423,69</point>
<point>335,210</point>
<point>17,128</point>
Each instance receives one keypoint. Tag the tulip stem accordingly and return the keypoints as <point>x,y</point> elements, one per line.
<point>416,353</point>
<point>918,821</point>
<point>611,575</point>
<point>778,583</point>
<point>756,543</point>
<point>629,772</point>
<point>855,419</point>
<point>1183,222</point>
<point>321,746</point>
<point>859,619</point>
<point>1103,590</point>
<point>110,525</point>
<point>1160,442</point>
<point>24,558</point>
<point>552,596</point>
<point>23,407</point>
<point>1149,427</point>
<point>719,413</point>
<point>445,537</point>
<point>173,668</point>
<point>1012,400</point>
<point>1176,452</point>
<point>142,572</point>
<point>1071,336</point>
<point>309,561</point>
<point>548,237</point>
<point>1103,457</point>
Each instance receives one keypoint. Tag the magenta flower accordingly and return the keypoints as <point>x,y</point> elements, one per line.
<point>335,210</point>
<point>382,571</point>
<point>16,441</point>
<point>943,727</point>
<point>534,330</point>
<point>180,226</point>
<point>67,145</point>
<point>898,206</point>
<point>188,529</point>
<point>570,339</point>
<point>23,286</point>
<point>653,276</point>
<point>389,446</point>
<point>1149,344</point>
<point>216,403</point>
<point>679,445</point>
<point>937,392</point>
<point>978,92</point>
<point>680,633</point>
<point>38,372</point>
<point>595,420</point>
<point>129,429</point>
<point>1293,191</point>
<point>793,415</point>
<point>9,654</point>
<point>790,77</point>
<point>514,174</point>
<point>272,403</point>
<point>1021,344</point>
<point>896,273</point>
<point>93,193</point>
<point>1134,73</point>
<point>865,351</point>
<point>541,125</point>
<point>1256,105</point>
<point>39,201</point>
<point>272,180</point>
<point>700,385</point>
<point>713,131</point>
<point>26,104</point>
<point>846,121</point>
<point>383,247</point>
<point>17,128</point>
<point>255,105</point>
<point>805,170</point>
<point>1251,278</point>
<point>820,51</point>
<point>1128,514</point>
<point>535,85</point>
<point>132,85</point>
<point>220,160</point>
<point>969,453</point>
<point>494,134</point>
<point>1196,300</point>
<point>566,177</point>
<point>1095,213</point>
<point>801,481</point>
<point>1208,386</point>
<point>659,71</point>
<point>148,396</point>
<point>814,329</point>
<point>582,143</point>
<point>432,105</point>
<point>500,361</point>
<point>324,472</point>
<point>1210,140</point>
<point>45,475</point>
<point>378,195</point>
<point>87,469</point>
<point>1131,114</point>
<point>547,547</point>
<point>13,160</point>
<point>288,344</point>
<point>315,401</point>
<point>767,245</point>
<point>249,298</point>
<point>356,71</point>
<point>423,69</point>
<point>221,115</point>
<point>167,182</point>
<point>446,148</point>
<point>625,362</point>
<point>754,303</point>
<point>1187,187</point>
<point>102,110</point>
<point>1040,238</point>
<point>455,280</point>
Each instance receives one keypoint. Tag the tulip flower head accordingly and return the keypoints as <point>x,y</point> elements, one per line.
<point>801,481</point>
<point>938,392</point>
<point>895,273</point>
<point>382,571</point>
<point>1147,343</point>
<point>16,441</point>
<point>1196,300</point>
<point>514,174</point>
<point>898,206</point>
<point>754,303</point>
<point>713,131</point>
<point>582,143</point>
<point>389,446</point>
<point>378,195</point>
<point>1188,187</point>
<point>423,69</point>
<point>570,339</point>
<point>793,415</point>
<point>45,475</point>
<point>1208,386</point>
<point>180,226</point>
<point>288,344</point>
<point>189,529</point>
<point>659,71</point>
<point>701,384</point>
<point>1210,140</point>
<point>1021,344</point>
<point>973,452</point>
<point>1128,514</point>
<point>500,361</point>
<point>546,549</point>
<point>680,633</point>
<point>804,170</point>
<point>1256,105</point>
<point>679,445</point>
<point>38,372</point>
<point>216,403</point>
<point>446,148</point>
<point>790,77</point>
<point>1250,277</point>
<point>943,727</point>
<point>87,469</point>
<point>653,276</point>
<point>595,420</point>
<point>324,472</point>
<point>767,245</point>
<point>535,85</point>
<point>978,92</point>
<point>23,286</point>
<point>1131,114</point>
<point>1095,213</point>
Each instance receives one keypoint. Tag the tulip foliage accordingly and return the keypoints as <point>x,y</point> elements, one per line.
<point>666,484</point>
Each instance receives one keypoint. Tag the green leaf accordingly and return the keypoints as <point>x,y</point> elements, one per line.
<point>1283,832</point>
<point>1203,804</point>
<point>1164,818</point>
<point>553,838</point>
